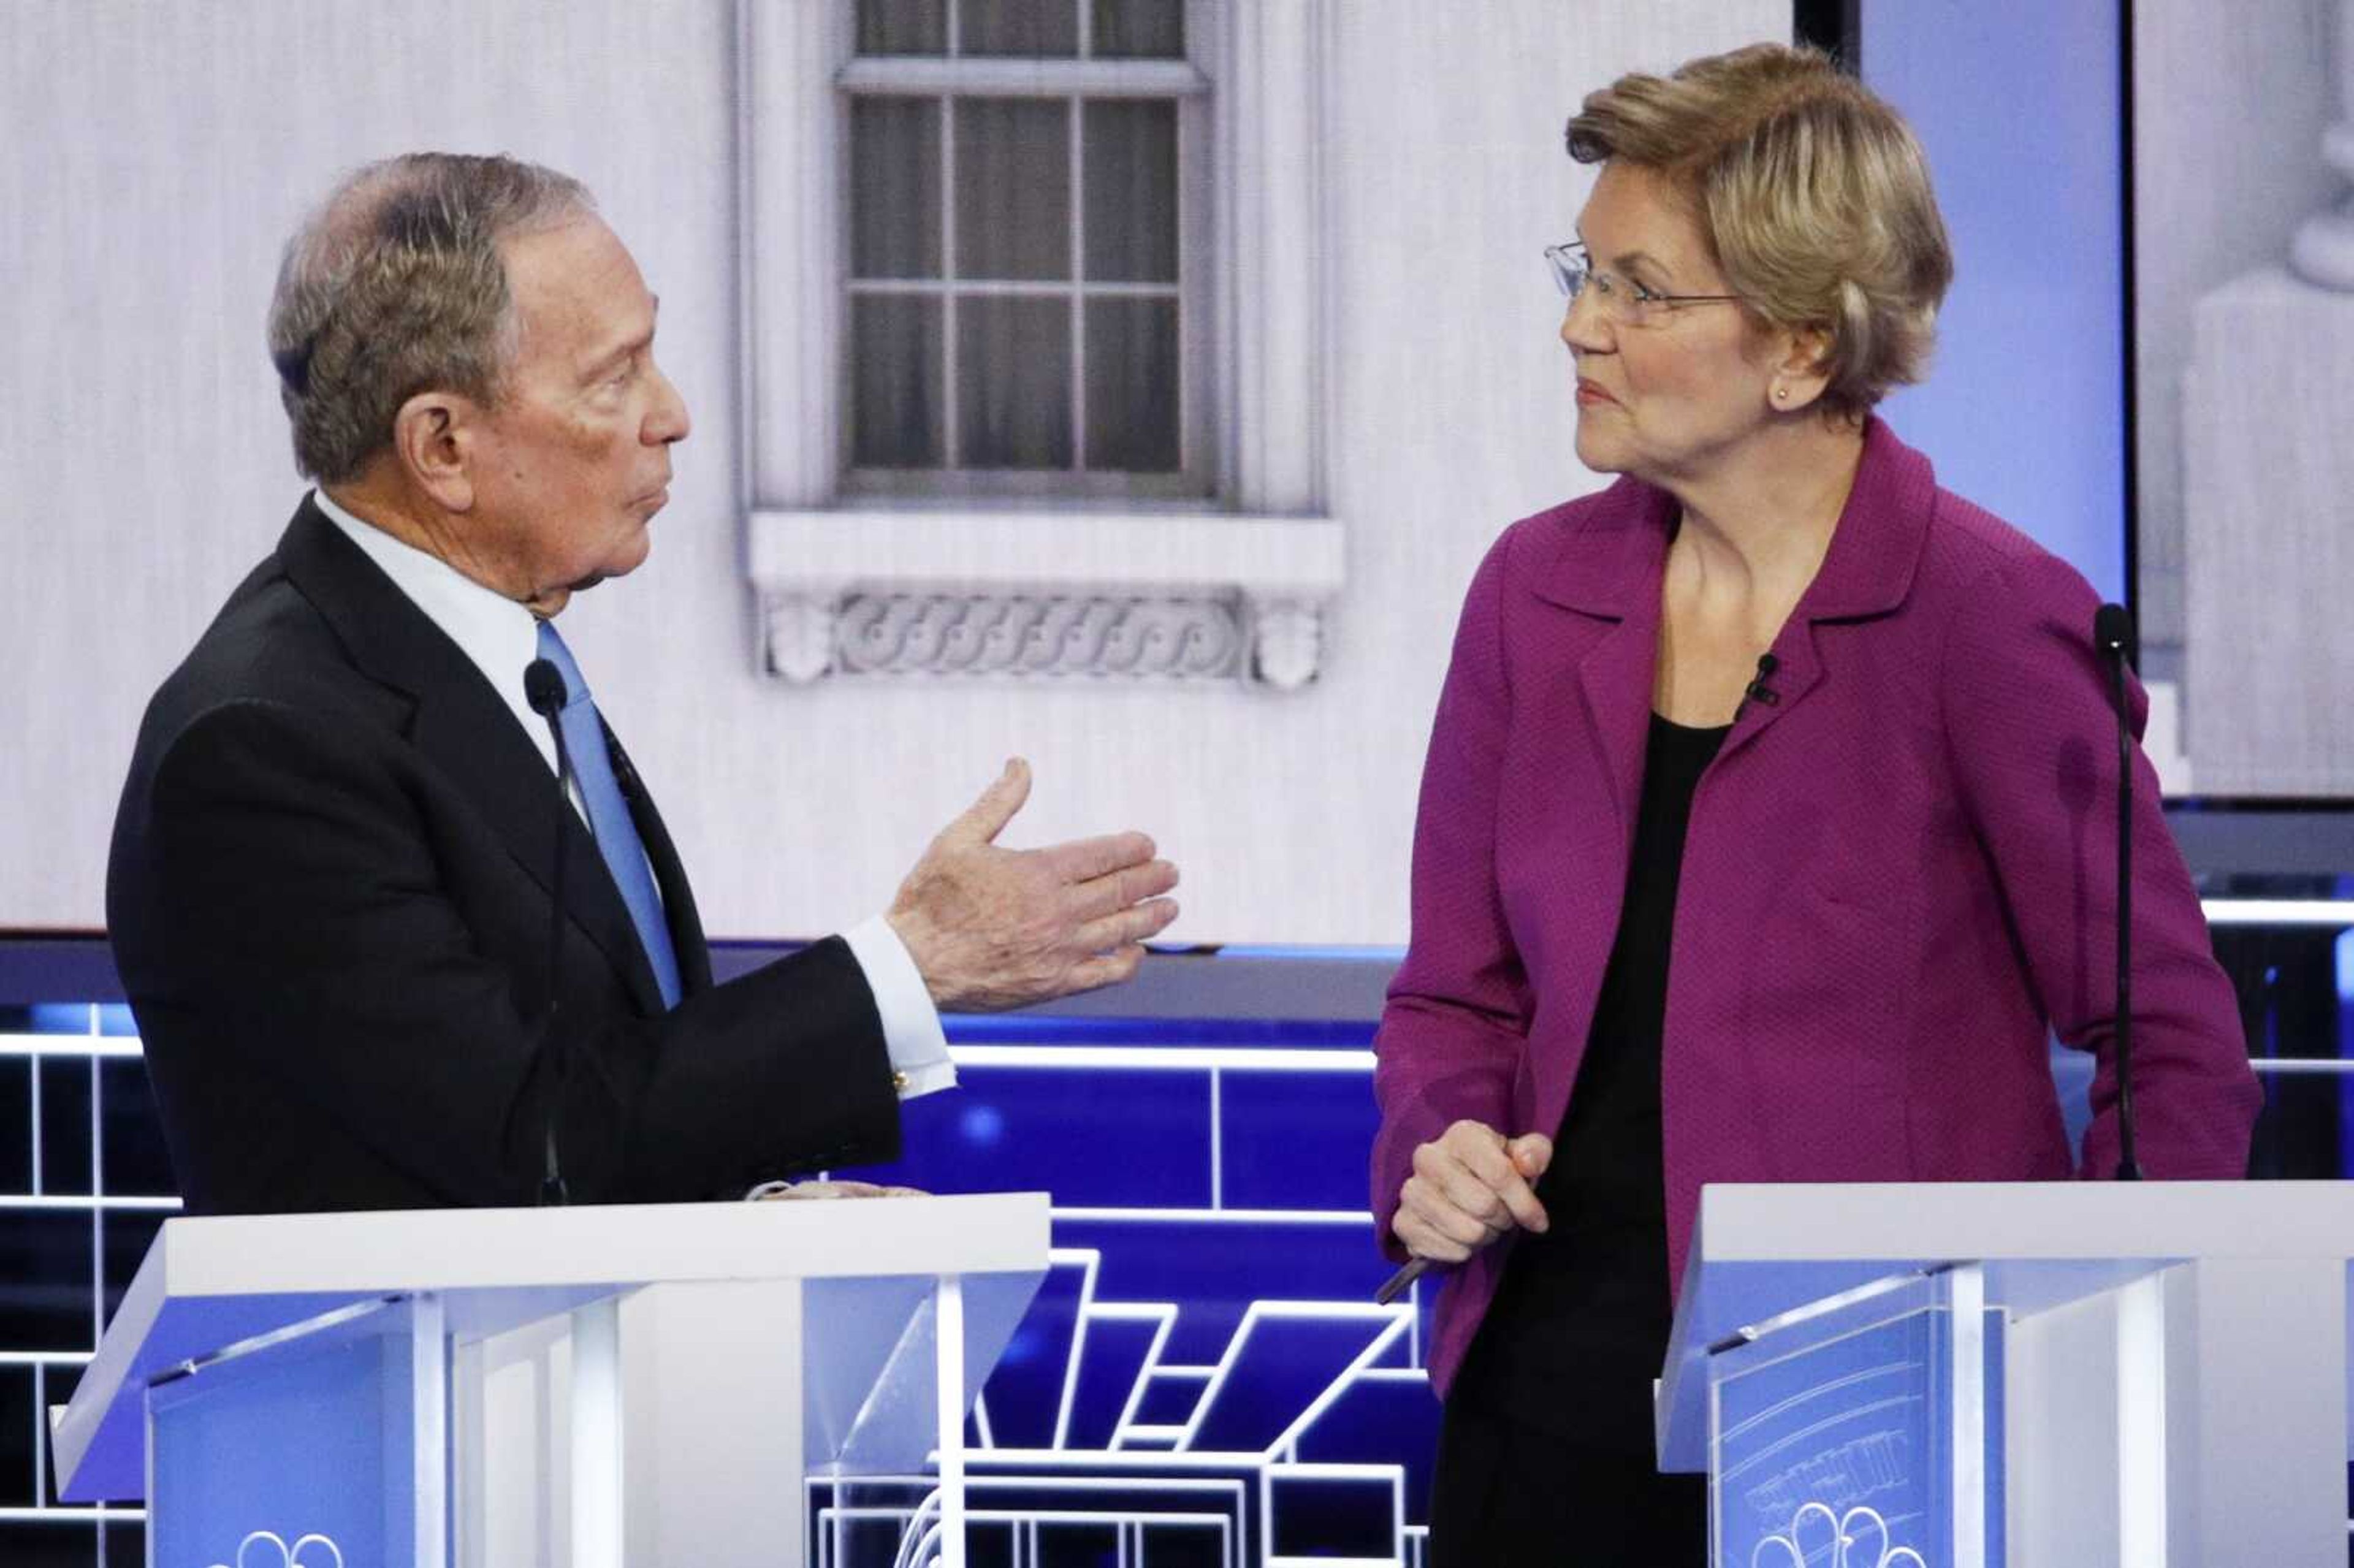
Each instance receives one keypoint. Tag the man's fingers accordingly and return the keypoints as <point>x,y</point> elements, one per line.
<point>1084,860</point>
<point>1147,919</point>
<point>1104,968</point>
<point>1113,893</point>
<point>981,822</point>
<point>1532,1152</point>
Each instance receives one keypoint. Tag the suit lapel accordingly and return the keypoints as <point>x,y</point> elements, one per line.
<point>670,876</point>
<point>1616,678</point>
<point>468,733</point>
<point>1609,569</point>
<point>1865,574</point>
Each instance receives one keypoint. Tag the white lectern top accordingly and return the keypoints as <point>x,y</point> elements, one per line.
<point>211,1286</point>
<point>1761,1250</point>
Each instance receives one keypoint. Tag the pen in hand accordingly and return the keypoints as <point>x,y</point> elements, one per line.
<point>1398,1284</point>
<point>1470,1158</point>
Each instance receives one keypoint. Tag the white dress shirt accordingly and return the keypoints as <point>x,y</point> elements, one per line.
<point>502,638</point>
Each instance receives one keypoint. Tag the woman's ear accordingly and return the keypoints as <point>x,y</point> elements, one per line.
<point>1800,371</point>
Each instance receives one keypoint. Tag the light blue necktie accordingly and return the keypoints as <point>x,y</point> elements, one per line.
<point>608,815</point>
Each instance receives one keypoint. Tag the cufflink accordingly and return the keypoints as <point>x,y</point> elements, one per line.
<point>900,1081</point>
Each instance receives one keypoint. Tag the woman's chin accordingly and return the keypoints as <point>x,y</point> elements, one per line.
<point>1596,450</point>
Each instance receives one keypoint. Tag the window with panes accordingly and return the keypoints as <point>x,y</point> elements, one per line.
<point>1022,284</point>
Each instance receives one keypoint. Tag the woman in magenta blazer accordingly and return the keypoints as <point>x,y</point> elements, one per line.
<point>1777,704</point>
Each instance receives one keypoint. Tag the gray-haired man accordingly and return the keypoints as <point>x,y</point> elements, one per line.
<point>330,894</point>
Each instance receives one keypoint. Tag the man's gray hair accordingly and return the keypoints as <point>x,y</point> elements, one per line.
<point>395,286</point>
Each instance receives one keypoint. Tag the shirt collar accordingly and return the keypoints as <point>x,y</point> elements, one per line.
<point>499,636</point>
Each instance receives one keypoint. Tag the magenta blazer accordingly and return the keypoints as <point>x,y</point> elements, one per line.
<point>1896,878</point>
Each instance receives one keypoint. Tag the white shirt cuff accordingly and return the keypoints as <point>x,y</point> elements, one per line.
<point>911,1024</point>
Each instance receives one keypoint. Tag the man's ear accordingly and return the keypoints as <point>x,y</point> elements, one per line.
<point>436,438</point>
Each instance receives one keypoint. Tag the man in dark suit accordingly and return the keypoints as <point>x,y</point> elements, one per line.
<point>331,894</point>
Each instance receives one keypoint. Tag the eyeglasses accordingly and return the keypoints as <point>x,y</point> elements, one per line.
<point>1624,301</point>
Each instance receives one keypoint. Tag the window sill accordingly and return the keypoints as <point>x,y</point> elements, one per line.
<point>1059,594</point>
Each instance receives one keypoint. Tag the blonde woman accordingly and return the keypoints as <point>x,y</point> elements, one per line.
<point>1779,706</point>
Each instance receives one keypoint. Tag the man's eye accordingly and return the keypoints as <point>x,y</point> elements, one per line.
<point>1645,296</point>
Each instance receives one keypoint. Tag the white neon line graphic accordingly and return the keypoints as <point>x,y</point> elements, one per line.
<point>97,1190</point>
<point>32,1072</point>
<point>1171,1058</point>
<point>1089,1262</point>
<point>2279,911</point>
<point>1163,1317</point>
<point>1218,1144</point>
<point>1218,1216</point>
<point>1287,1442</point>
<point>77,1046</point>
<point>1279,1311</point>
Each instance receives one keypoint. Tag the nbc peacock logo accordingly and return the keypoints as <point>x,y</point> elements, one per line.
<point>1819,1538</point>
<point>307,1552</point>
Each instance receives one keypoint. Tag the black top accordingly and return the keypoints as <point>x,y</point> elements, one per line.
<point>1580,1324</point>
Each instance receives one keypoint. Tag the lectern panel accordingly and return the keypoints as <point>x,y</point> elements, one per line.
<point>302,1450</point>
<point>1870,1432</point>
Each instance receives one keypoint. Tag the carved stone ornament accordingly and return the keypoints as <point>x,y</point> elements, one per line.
<point>2323,250</point>
<point>1048,636</point>
<point>1289,643</point>
<point>799,632</point>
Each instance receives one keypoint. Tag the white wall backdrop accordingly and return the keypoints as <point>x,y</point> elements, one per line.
<point>155,157</point>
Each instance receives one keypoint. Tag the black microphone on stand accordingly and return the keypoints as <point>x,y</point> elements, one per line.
<point>2113,636</point>
<point>543,687</point>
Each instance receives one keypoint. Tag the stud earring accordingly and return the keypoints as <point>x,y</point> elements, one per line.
<point>1781,393</point>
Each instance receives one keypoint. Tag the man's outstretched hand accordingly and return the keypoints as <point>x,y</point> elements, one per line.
<point>993,928</point>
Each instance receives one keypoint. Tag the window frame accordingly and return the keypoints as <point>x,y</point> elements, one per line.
<point>1257,536</point>
<point>1076,81</point>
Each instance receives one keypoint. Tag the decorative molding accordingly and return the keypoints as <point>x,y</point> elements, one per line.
<point>2323,250</point>
<point>993,635</point>
<point>1023,596</point>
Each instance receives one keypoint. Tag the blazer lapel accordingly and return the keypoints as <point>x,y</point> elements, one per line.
<point>670,876</point>
<point>1609,569</point>
<point>468,732</point>
<point>1865,574</point>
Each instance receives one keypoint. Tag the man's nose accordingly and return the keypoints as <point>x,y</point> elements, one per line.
<point>667,421</point>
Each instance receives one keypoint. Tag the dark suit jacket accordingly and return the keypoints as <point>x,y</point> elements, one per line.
<point>329,901</point>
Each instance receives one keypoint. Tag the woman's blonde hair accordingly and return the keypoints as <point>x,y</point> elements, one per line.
<point>1811,192</point>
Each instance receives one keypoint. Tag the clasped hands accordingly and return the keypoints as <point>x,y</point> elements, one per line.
<point>1470,1184</point>
<point>990,928</point>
